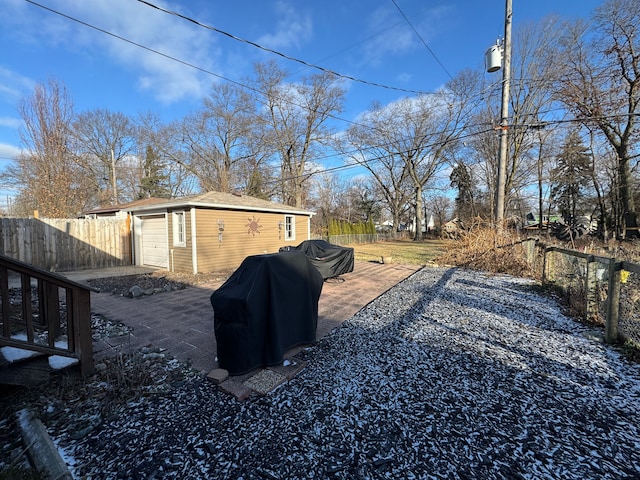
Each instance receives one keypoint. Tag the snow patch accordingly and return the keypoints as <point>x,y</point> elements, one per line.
<point>58,362</point>
<point>13,354</point>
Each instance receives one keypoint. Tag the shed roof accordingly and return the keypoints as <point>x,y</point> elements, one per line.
<point>221,200</point>
<point>127,207</point>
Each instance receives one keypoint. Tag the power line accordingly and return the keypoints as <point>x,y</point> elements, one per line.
<point>364,40</point>
<point>139,45</point>
<point>167,56</point>
<point>208,72</point>
<point>275,52</point>
<point>183,62</point>
<point>119,37</point>
<point>379,157</point>
<point>421,39</point>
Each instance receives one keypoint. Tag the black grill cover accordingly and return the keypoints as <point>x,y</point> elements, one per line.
<point>268,305</point>
<point>330,260</point>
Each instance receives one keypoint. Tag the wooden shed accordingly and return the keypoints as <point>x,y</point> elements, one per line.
<point>214,231</point>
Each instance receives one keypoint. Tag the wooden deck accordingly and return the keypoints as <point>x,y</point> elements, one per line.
<point>43,314</point>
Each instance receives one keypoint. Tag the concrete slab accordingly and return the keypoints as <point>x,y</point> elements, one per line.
<point>90,274</point>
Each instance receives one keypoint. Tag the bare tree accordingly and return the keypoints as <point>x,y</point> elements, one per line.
<point>165,141</point>
<point>103,141</point>
<point>47,177</point>
<point>601,85</point>
<point>544,160</point>
<point>534,67</point>
<point>324,197</point>
<point>440,206</point>
<point>597,173</point>
<point>362,144</point>
<point>216,139</point>
<point>364,201</point>
<point>294,119</point>
<point>484,143</point>
<point>414,136</point>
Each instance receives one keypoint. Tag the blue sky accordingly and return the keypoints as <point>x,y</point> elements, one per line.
<point>366,39</point>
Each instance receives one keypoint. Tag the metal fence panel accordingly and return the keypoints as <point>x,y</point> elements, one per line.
<point>601,290</point>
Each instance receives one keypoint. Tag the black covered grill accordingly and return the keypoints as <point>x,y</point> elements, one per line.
<point>268,305</point>
<point>330,260</point>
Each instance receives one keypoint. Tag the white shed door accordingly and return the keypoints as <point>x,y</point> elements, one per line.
<point>155,241</point>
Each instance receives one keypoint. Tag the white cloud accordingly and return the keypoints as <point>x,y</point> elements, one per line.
<point>168,80</point>
<point>404,77</point>
<point>392,35</point>
<point>10,122</point>
<point>389,36</point>
<point>292,30</point>
<point>14,86</point>
<point>8,151</point>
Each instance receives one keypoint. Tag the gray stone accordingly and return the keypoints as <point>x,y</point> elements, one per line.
<point>218,375</point>
<point>236,389</point>
<point>136,291</point>
<point>264,381</point>
<point>594,335</point>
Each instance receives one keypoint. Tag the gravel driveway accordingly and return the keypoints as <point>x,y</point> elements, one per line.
<point>450,374</point>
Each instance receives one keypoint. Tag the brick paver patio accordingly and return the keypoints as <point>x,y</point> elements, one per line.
<point>181,321</point>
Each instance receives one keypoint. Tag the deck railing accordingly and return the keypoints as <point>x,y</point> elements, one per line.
<point>44,312</point>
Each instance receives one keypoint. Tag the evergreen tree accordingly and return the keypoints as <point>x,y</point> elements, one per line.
<point>462,178</point>
<point>571,178</point>
<point>154,182</point>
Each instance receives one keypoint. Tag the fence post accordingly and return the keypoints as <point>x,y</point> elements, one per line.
<point>613,302</point>
<point>547,266</point>
<point>530,250</point>
<point>591,290</point>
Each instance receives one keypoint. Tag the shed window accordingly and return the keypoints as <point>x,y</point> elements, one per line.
<point>179,239</point>
<point>289,227</point>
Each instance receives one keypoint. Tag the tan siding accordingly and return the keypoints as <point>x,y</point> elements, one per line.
<point>302,229</point>
<point>182,259</point>
<point>238,240</point>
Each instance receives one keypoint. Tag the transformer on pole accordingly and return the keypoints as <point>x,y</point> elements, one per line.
<point>493,58</point>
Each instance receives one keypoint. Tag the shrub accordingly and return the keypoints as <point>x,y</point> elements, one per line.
<point>485,248</point>
<point>342,227</point>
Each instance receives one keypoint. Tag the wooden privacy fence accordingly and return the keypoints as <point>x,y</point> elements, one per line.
<point>603,289</point>
<point>67,244</point>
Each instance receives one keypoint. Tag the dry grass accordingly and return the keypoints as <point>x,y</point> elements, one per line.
<point>489,250</point>
<point>405,252</point>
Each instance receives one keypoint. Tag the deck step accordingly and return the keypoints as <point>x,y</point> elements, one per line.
<point>29,372</point>
<point>27,368</point>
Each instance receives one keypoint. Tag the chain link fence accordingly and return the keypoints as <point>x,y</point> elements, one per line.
<point>602,290</point>
<point>629,310</point>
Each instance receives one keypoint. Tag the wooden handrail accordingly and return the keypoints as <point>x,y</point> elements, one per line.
<point>77,311</point>
<point>587,256</point>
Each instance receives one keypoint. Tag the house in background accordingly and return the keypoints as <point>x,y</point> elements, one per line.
<point>122,210</point>
<point>213,231</point>
<point>532,221</point>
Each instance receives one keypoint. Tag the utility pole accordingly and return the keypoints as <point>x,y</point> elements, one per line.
<point>504,120</point>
